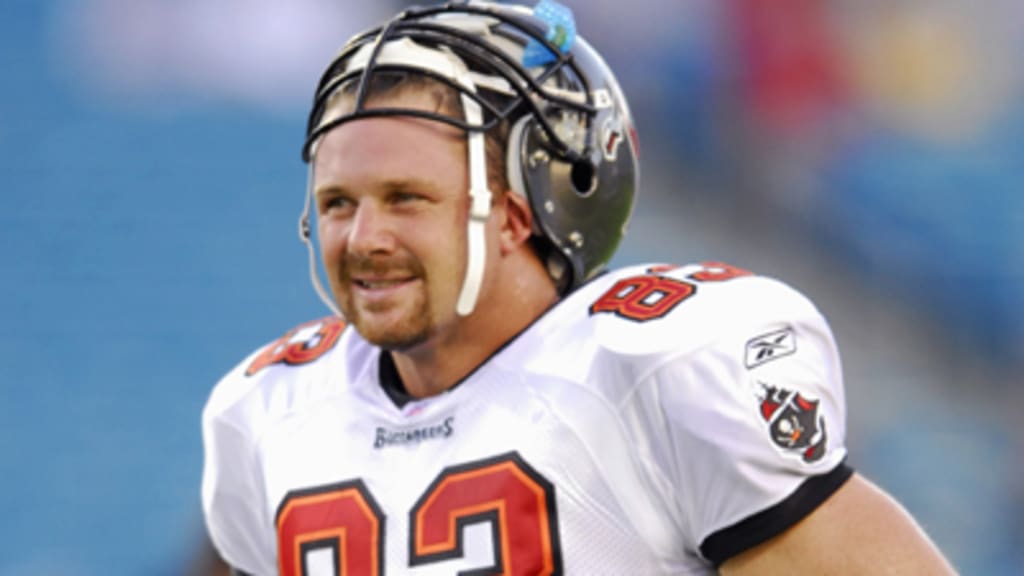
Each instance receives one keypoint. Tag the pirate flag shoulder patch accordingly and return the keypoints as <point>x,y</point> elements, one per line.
<point>793,422</point>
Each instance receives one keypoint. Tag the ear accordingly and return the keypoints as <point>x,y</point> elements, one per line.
<point>518,222</point>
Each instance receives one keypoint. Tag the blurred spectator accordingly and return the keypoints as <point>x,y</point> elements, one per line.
<point>256,52</point>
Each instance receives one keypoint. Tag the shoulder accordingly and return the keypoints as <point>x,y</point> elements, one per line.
<point>634,321</point>
<point>260,392</point>
<point>659,308</point>
<point>742,372</point>
<point>284,373</point>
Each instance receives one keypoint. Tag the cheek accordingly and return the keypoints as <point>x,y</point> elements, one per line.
<point>443,253</point>
<point>331,237</point>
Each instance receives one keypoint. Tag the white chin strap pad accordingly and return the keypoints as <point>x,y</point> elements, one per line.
<point>480,210</point>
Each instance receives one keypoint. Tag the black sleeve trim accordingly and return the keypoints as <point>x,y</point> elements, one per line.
<point>773,521</point>
<point>237,572</point>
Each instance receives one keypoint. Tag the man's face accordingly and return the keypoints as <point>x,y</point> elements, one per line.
<point>391,195</point>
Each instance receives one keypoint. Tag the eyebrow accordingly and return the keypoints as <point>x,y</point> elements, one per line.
<point>324,190</point>
<point>389,185</point>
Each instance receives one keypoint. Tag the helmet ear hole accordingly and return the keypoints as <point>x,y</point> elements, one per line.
<point>515,155</point>
<point>583,177</point>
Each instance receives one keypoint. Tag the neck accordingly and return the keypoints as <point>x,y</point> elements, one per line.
<point>513,302</point>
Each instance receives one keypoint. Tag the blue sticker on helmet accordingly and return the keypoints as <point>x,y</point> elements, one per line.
<point>561,32</point>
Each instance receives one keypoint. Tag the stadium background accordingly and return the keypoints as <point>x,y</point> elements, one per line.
<point>869,152</point>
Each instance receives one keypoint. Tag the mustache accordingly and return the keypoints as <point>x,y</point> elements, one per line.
<point>380,265</point>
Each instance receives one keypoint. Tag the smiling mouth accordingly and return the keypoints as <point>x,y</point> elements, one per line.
<point>378,284</point>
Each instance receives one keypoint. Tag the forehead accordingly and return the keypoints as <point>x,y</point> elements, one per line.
<point>390,146</point>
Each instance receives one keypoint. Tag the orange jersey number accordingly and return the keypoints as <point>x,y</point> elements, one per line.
<point>503,491</point>
<point>652,295</point>
<point>289,349</point>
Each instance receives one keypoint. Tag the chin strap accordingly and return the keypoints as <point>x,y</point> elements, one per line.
<point>479,211</point>
<point>305,234</point>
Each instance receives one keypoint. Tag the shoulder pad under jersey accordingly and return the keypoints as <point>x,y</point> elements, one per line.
<point>654,309</point>
<point>300,346</point>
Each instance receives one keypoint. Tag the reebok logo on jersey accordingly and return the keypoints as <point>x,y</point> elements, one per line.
<point>770,346</point>
<point>793,422</point>
<point>385,437</point>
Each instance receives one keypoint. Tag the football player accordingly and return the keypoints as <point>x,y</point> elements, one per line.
<point>486,397</point>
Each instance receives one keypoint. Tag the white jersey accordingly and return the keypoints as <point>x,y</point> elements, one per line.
<point>659,420</point>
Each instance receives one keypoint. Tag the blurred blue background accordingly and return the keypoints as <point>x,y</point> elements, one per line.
<point>870,153</point>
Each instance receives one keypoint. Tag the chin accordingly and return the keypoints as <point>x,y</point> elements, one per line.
<point>396,342</point>
<point>398,338</point>
<point>396,328</point>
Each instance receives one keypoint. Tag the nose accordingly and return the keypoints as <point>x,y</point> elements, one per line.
<point>371,231</point>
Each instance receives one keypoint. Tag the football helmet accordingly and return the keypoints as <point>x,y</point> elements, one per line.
<point>571,148</point>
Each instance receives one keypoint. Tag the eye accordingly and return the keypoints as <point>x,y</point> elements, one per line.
<point>406,196</point>
<point>334,203</point>
<point>407,199</point>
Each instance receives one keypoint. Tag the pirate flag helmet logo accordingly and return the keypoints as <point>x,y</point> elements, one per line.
<point>793,422</point>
